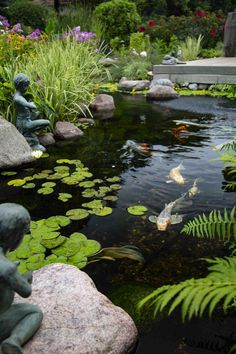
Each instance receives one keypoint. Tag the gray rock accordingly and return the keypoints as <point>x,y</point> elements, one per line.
<point>203,87</point>
<point>103,102</point>
<point>159,92</point>
<point>193,87</point>
<point>47,139</point>
<point>183,84</point>
<point>130,85</point>
<point>14,149</point>
<point>78,319</point>
<point>169,60</point>
<point>89,121</point>
<point>162,82</point>
<point>67,130</point>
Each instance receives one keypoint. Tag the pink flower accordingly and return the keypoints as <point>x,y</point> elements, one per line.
<point>151,23</point>
<point>142,29</point>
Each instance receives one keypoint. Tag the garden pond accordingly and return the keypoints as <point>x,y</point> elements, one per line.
<point>98,167</point>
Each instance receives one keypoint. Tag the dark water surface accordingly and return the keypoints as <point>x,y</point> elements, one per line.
<point>170,256</point>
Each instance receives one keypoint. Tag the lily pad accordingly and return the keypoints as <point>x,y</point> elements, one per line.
<point>45,191</point>
<point>115,187</point>
<point>78,237</point>
<point>77,214</point>
<point>98,181</point>
<point>102,211</point>
<point>67,249</point>
<point>89,193</point>
<point>94,204</point>
<point>45,155</point>
<point>87,184</point>
<point>64,197</point>
<point>112,198</point>
<point>8,173</point>
<point>29,186</point>
<point>16,182</point>
<point>57,221</point>
<point>53,243</point>
<point>61,169</point>
<point>50,235</point>
<point>113,179</point>
<point>70,162</point>
<point>79,260</point>
<point>49,184</point>
<point>29,178</point>
<point>40,175</point>
<point>137,209</point>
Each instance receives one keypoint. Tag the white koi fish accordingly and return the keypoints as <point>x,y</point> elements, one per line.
<point>194,189</point>
<point>175,175</point>
<point>165,218</point>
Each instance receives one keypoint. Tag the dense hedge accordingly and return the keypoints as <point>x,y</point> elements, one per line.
<point>118,17</point>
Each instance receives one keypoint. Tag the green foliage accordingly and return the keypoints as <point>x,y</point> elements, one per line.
<point>190,48</point>
<point>139,41</point>
<point>62,74</point>
<point>6,101</point>
<point>151,7</point>
<point>222,225</point>
<point>137,210</point>
<point>212,52</point>
<point>119,18</point>
<point>196,296</point>
<point>137,69</point>
<point>28,13</point>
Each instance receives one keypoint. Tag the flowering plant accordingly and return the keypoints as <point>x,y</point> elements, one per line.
<point>78,35</point>
<point>14,42</point>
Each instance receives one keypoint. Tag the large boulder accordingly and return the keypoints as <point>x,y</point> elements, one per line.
<point>130,85</point>
<point>103,103</point>
<point>67,130</point>
<point>78,319</point>
<point>14,149</point>
<point>160,92</point>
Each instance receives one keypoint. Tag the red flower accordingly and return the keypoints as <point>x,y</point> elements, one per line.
<point>151,23</point>
<point>213,32</point>
<point>220,17</point>
<point>200,13</point>
<point>142,29</point>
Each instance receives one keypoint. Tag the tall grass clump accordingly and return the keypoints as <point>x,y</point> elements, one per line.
<point>191,47</point>
<point>62,75</point>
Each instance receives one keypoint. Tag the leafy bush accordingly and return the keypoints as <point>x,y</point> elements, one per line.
<point>151,7</point>
<point>62,75</point>
<point>28,13</point>
<point>137,69</point>
<point>139,41</point>
<point>119,18</point>
<point>212,52</point>
<point>191,48</point>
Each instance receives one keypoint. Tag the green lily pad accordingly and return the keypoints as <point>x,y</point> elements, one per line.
<point>113,179</point>
<point>29,186</point>
<point>49,184</point>
<point>45,191</point>
<point>57,221</point>
<point>36,247</point>
<point>8,173</point>
<point>67,249</point>
<point>94,204</point>
<point>115,187</point>
<point>70,162</point>
<point>45,155</point>
<point>87,184</point>
<point>50,235</point>
<point>90,247</point>
<point>64,197</point>
<point>112,198</point>
<point>77,214</point>
<point>16,182</point>
<point>98,181</point>
<point>79,260</point>
<point>40,175</point>
<point>89,193</point>
<point>61,169</point>
<point>71,180</point>
<point>47,171</point>
<point>28,178</point>
<point>53,243</point>
<point>137,209</point>
<point>78,237</point>
<point>102,211</point>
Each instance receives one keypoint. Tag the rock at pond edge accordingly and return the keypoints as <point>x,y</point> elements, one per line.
<point>78,319</point>
<point>67,130</point>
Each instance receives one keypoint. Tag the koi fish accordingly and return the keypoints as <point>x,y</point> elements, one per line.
<point>165,218</point>
<point>175,175</point>
<point>142,148</point>
<point>187,124</point>
<point>194,189</point>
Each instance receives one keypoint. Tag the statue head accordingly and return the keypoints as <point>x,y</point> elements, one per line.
<point>14,223</point>
<point>21,82</point>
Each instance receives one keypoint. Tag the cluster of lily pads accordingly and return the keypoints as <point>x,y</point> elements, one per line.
<point>45,244</point>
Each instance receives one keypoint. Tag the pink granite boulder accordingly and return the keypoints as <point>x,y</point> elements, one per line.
<point>67,130</point>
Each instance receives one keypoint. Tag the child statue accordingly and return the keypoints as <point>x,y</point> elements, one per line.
<point>18,322</point>
<point>27,121</point>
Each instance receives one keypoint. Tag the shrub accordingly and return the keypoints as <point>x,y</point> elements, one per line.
<point>119,18</point>
<point>151,7</point>
<point>62,75</point>
<point>190,48</point>
<point>28,13</point>
<point>139,41</point>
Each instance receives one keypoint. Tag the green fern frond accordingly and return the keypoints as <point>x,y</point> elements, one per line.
<point>231,145</point>
<point>198,295</point>
<point>216,224</point>
<point>231,186</point>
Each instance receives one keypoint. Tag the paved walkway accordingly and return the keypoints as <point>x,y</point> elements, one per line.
<point>204,71</point>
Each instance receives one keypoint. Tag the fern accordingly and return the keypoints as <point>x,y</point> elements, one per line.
<point>198,295</point>
<point>216,224</point>
<point>231,145</point>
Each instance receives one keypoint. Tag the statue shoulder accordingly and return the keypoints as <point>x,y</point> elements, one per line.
<point>19,99</point>
<point>7,268</point>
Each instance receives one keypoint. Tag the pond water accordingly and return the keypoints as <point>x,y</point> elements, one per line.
<point>169,256</point>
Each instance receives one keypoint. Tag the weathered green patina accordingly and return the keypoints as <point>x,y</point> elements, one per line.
<point>18,322</point>
<point>27,121</point>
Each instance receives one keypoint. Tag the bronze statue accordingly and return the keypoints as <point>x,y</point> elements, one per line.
<point>18,322</point>
<point>27,121</point>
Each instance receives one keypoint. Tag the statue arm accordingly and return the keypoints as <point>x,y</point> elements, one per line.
<point>22,101</point>
<point>19,283</point>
